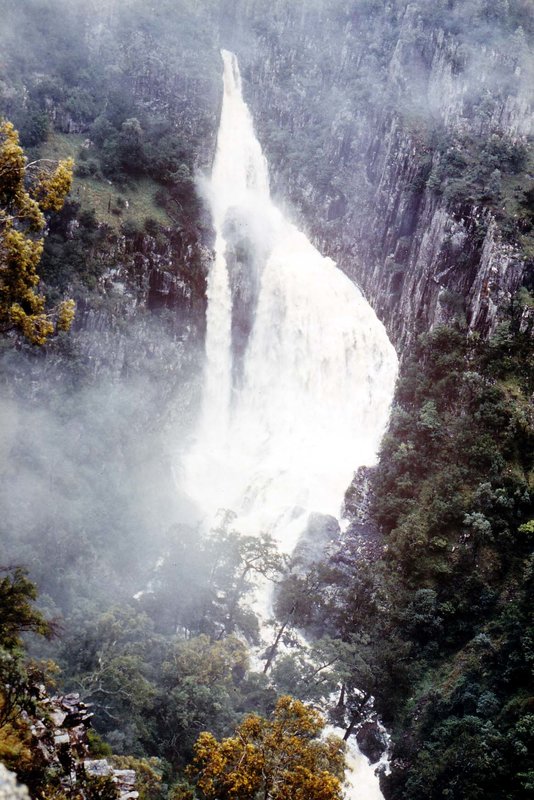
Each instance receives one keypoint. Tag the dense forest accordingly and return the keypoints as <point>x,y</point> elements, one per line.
<point>399,135</point>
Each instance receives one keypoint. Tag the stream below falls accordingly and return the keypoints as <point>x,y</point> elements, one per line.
<point>299,373</point>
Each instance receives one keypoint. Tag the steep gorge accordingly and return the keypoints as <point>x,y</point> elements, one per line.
<point>363,121</point>
<point>400,134</point>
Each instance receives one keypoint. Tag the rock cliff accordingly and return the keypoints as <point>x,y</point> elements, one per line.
<point>361,111</point>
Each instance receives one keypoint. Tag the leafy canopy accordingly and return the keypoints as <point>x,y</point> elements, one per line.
<point>18,615</point>
<point>271,759</point>
<point>18,682</point>
<point>26,192</point>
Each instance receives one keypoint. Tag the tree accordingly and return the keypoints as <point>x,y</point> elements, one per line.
<point>239,562</point>
<point>199,686</point>
<point>203,584</point>
<point>27,191</point>
<point>18,615</point>
<point>19,682</point>
<point>271,759</point>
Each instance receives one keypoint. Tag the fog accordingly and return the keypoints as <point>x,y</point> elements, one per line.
<point>88,487</point>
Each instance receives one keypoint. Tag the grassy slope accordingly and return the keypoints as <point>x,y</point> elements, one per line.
<point>100,194</point>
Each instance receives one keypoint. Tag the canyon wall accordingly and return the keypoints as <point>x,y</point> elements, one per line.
<point>363,112</point>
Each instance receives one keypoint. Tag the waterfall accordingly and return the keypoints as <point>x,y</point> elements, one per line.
<point>299,371</point>
<point>282,437</point>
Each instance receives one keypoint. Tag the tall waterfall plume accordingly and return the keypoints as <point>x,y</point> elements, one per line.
<point>283,436</point>
<point>299,371</point>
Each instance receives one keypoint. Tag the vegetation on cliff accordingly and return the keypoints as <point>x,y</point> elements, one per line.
<point>434,631</point>
<point>27,191</point>
<point>453,494</point>
<point>438,628</point>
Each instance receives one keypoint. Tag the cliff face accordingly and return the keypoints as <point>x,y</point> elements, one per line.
<point>113,330</point>
<point>373,116</point>
<point>361,115</point>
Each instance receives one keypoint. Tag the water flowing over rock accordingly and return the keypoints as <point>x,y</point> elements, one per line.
<point>421,259</point>
<point>299,371</point>
<point>280,436</point>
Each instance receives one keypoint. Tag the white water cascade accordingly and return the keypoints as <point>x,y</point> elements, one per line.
<point>281,437</point>
<point>318,370</point>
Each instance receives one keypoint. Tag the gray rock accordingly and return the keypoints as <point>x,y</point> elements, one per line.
<point>125,777</point>
<point>321,531</point>
<point>371,741</point>
<point>9,788</point>
<point>98,767</point>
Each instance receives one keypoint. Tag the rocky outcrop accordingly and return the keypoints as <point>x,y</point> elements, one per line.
<point>168,273</point>
<point>499,275</point>
<point>439,271</point>
<point>147,309</point>
<point>349,120</point>
<point>372,740</point>
<point>124,779</point>
<point>366,540</point>
<point>320,534</point>
<point>9,788</point>
<point>60,734</point>
<point>60,745</point>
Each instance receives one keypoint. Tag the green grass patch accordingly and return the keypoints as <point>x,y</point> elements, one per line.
<point>112,203</point>
<point>62,145</point>
<point>115,204</point>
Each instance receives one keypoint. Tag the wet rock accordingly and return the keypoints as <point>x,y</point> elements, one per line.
<point>357,497</point>
<point>366,538</point>
<point>321,532</point>
<point>421,259</point>
<point>371,741</point>
<point>9,788</point>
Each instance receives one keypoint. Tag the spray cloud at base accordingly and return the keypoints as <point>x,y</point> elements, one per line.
<point>299,371</point>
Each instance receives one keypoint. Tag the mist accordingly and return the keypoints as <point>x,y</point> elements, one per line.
<point>88,491</point>
<point>91,451</point>
<point>96,458</point>
<point>252,270</point>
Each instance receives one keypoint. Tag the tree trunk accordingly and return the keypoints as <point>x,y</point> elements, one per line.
<point>274,646</point>
<point>356,716</point>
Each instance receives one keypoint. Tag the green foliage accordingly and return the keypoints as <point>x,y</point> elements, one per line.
<point>453,495</point>
<point>17,610</point>
<point>148,775</point>
<point>470,169</point>
<point>21,680</point>
<point>35,127</point>
<point>160,670</point>
<point>97,787</point>
<point>438,632</point>
<point>71,251</point>
<point>202,585</point>
<point>274,758</point>
<point>97,747</point>
<point>27,192</point>
<point>153,694</point>
<point>90,74</point>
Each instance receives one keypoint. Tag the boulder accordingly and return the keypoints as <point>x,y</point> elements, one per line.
<point>371,741</point>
